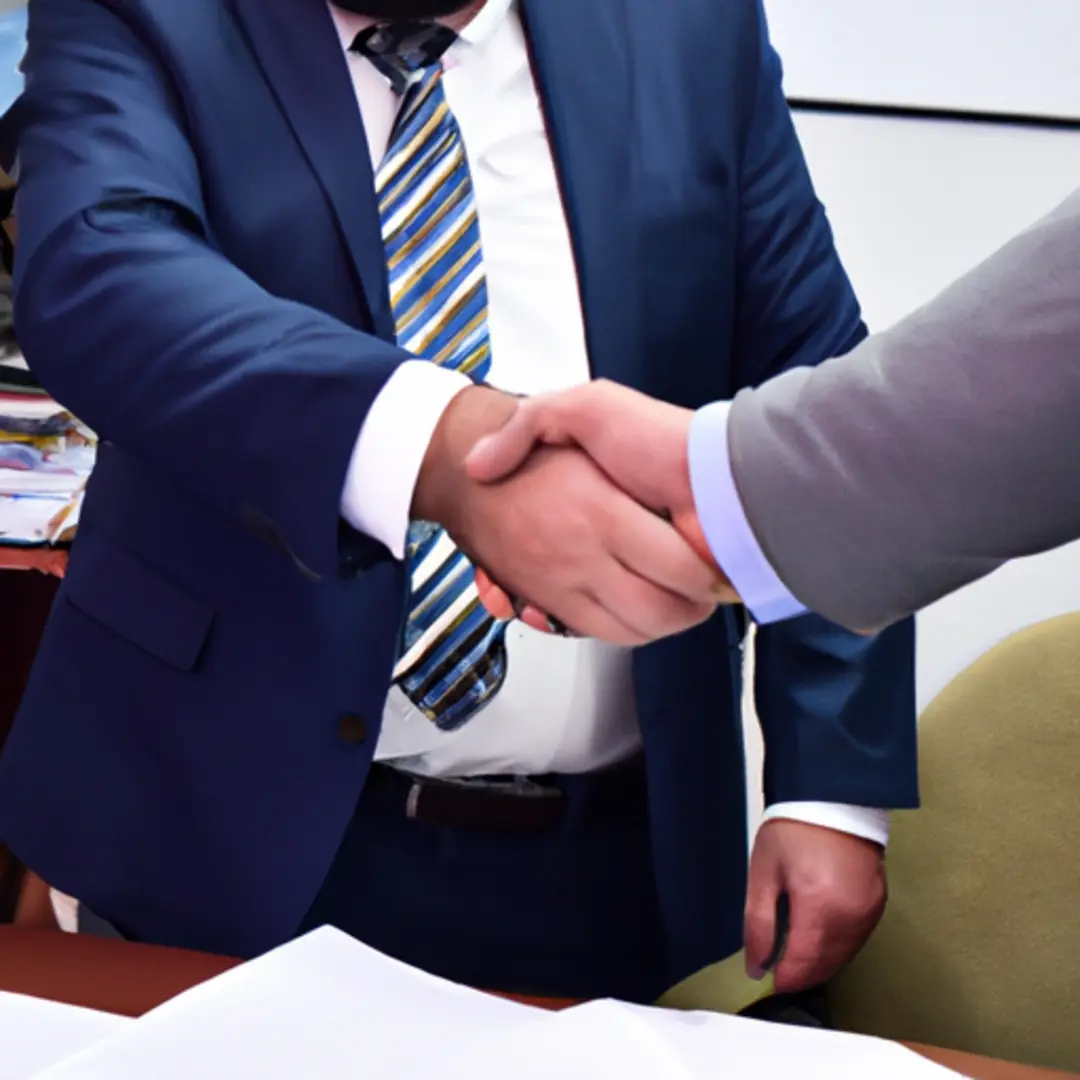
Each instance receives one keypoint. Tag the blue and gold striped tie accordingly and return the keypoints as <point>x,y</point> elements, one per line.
<point>454,655</point>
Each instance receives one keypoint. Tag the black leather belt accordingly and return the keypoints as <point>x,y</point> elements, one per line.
<point>491,804</point>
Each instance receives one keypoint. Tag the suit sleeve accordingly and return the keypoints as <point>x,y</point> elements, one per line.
<point>132,320</point>
<point>837,711</point>
<point>936,451</point>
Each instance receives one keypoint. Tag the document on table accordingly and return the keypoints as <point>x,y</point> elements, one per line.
<point>30,519</point>
<point>708,1046</point>
<point>326,1006</point>
<point>35,1034</point>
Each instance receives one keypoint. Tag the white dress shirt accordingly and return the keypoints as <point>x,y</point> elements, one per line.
<point>567,705</point>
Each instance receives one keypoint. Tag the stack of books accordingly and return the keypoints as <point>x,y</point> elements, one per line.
<point>46,457</point>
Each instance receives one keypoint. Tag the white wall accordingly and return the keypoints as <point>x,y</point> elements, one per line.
<point>913,205</point>
<point>1013,56</point>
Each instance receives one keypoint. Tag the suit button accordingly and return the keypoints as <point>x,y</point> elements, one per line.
<point>352,729</point>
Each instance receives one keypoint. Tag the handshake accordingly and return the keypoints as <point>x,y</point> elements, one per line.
<point>577,506</point>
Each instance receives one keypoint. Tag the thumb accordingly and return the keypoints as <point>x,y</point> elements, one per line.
<point>759,926</point>
<point>498,455</point>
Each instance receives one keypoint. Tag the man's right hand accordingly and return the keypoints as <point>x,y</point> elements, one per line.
<point>639,443</point>
<point>560,535</point>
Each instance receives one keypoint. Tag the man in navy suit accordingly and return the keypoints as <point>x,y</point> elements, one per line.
<point>291,260</point>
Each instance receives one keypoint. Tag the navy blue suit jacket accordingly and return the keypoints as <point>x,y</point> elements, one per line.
<point>200,277</point>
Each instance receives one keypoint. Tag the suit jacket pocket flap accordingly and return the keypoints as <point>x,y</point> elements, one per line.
<point>124,594</point>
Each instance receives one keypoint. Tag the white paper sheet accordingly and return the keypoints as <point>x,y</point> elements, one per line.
<point>35,1034</point>
<point>608,1038</point>
<point>328,1007</point>
<point>323,1007</point>
<point>706,1045</point>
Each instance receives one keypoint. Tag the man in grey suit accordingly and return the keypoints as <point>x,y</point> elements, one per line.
<point>868,487</point>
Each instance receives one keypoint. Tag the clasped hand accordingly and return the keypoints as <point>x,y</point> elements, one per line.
<point>579,505</point>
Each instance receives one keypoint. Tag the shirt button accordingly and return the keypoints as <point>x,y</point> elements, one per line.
<point>352,729</point>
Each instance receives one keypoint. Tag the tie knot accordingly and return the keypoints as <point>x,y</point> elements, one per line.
<point>403,50</point>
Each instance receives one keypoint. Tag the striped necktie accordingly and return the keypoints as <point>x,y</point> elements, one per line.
<point>454,654</point>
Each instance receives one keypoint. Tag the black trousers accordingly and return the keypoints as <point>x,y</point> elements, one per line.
<point>567,911</point>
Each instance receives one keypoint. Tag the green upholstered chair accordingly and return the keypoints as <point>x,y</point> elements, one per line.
<point>980,947</point>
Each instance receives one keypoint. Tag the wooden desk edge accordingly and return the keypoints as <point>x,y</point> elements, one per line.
<point>45,560</point>
<point>131,979</point>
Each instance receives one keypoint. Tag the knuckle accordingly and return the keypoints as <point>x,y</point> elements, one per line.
<point>809,882</point>
<point>757,921</point>
<point>842,910</point>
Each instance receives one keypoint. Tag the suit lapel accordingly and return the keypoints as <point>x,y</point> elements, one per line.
<point>300,54</point>
<point>582,64</point>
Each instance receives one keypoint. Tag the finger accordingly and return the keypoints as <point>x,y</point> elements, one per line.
<point>499,605</point>
<point>502,453</point>
<point>495,600</point>
<point>570,417</point>
<point>579,613</point>
<point>759,918</point>
<point>688,525</point>
<point>655,550</point>
<point>831,934</point>
<point>808,958</point>
<point>650,611</point>
<point>586,615</point>
<point>539,620</point>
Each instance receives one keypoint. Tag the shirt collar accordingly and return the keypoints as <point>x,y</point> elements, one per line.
<point>482,26</point>
<point>477,31</point>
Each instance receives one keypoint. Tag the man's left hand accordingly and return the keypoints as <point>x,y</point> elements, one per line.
<point>837,890</point>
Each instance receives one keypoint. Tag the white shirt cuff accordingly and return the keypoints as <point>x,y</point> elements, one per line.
<point>390,449</point>
<point>723,520</point>
<point>861,821</point>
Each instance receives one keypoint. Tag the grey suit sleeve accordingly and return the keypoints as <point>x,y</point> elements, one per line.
<point>932,453</point>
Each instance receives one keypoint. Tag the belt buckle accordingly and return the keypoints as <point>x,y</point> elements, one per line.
<point>515,786</point>
<point>511,785</point>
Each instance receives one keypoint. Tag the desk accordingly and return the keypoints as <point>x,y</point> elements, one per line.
<point>122,977</point>
<point>46,560</point>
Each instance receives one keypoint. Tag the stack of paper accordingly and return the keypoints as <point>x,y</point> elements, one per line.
<point>35,1034</point>
<point>43,457</point>
<point>328,1007</point>
<point>45,460</point>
